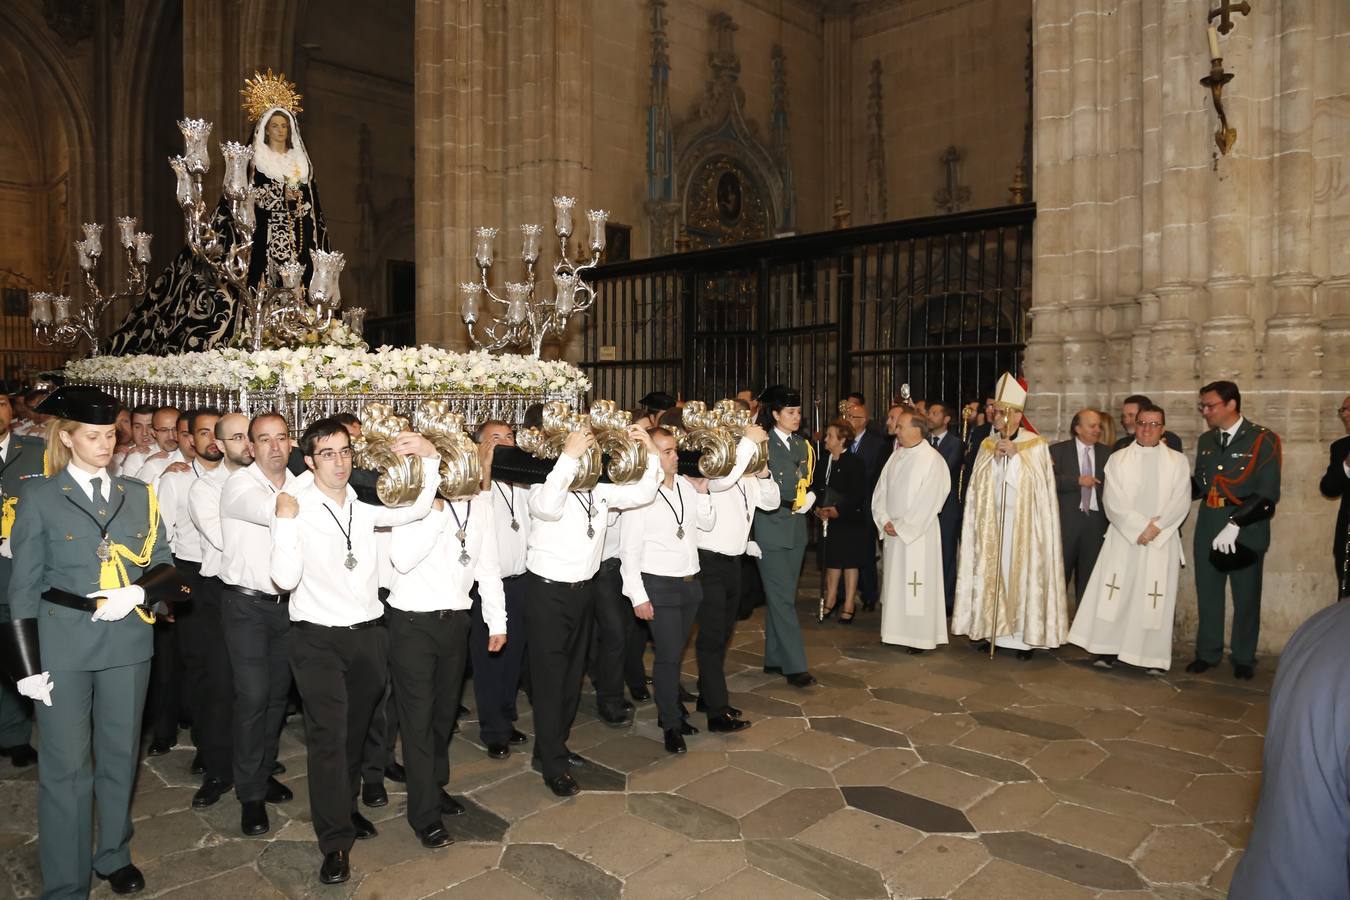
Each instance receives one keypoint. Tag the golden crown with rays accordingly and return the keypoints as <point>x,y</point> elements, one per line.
<point>264,92</point>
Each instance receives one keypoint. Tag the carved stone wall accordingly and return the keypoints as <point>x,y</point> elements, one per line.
<point>1161,265</point>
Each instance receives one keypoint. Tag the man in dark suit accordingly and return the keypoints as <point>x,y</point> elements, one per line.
<point>1336,483</point>
<point>1080,464</point>
<point>948,445</point>
<point>873,450</point>
<point>976,437</point>
<point>1129,411</point>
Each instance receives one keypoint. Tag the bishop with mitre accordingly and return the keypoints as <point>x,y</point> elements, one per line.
<point>909,494</point>
<point>1010,584</point>
<point>1131,597</point>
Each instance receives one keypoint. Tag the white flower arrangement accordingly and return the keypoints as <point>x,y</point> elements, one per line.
<point>341,369</point>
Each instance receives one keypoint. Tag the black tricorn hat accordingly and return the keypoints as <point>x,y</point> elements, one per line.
<point>658,400</point>
<point>777,396</point>
<point>81,403</point>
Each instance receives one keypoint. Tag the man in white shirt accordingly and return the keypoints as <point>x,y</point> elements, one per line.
<point>567,537</point>
<point>658,557</point>
<point>734,500</point>
<point>163,448</point>
<point>438,560</point>
<point>496,675</point>
<point>254,618</point>
<point>210,675</point>
<point>323,551</point>
<point>177,459</point>
<point>142,440</point>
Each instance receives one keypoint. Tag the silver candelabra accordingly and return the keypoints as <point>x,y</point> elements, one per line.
<point>55,323</point>
<point>275,313</point>
<point>523,317</point>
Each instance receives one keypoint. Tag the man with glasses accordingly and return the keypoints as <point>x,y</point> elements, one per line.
<point>1237,481</point>
<point>1129,412</point>
<point>1336,483</point>
<point>148,426</point>
<point>1127,607</point>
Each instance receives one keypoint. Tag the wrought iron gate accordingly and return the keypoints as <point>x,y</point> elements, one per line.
<point>937,303</point>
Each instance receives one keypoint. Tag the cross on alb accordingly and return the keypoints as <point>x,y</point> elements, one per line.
<point>1112,587</point>
<point>1156,594</point>
<point>1225,14</point>
<point>915,583</point>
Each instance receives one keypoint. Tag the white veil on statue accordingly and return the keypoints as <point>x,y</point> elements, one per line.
<point>293,165</point>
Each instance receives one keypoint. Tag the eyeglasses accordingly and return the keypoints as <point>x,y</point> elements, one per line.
<point>1205,407</point>
<point>1148,424</point>
<point>164,430</point>
<point>330,455</point>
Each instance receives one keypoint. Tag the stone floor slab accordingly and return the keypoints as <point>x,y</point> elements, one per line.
<point>1000,880</point>
<point>786,771</point>
<point>1011,806</point>
<point>943,785</point>
<point>683,816</point>
<point>558,874</point>
<point>936,866</point>
<point>785,816</point>
<point>918,813</point>
<point>1084,867</point>
<point>1092,829</point>
<point>816,870</point>
<point>733,791</point>
<point>751,882</point>
<point>1186,853</point>
<point>979,764</point>
<point>1049,731</point>
<point>859,732</point>
<point>1141,777</point>
<point>688,872</point>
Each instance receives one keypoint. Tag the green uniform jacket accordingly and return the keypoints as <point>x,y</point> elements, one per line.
<point>1229,462</point>
<point>56,545</point>
<point>781,530</point>
<point>21,469</point>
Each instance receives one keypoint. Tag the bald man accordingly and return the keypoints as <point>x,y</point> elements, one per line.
<point>1080,465</point>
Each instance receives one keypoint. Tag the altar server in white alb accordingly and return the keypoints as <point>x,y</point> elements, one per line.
<point>1130,600</point>
<point>1010,572</point>
<point>909,494</point>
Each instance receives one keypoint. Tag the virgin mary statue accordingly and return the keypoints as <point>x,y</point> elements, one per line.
<point>184,310</point>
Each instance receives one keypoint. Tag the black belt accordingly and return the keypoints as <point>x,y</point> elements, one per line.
<point>676,578</point>
<point>565,585</point>
<point>430,613</point>
<point>727,556</point>
<point>257,595</point>
<point>369,623</point>
<point>506,578</point>
<point>194,567</point>
<point>59,597</point>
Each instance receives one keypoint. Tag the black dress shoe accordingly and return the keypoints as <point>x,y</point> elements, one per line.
<point>685,696</point>
<point>498,751</point>
<point>20,755</point>
<point>773,670</point>
<point>564,785</point>
<point>915,651</point>
<point>253,818</point>
<point>675,741</point>
<point>395,773</point>
<point>1024,655</point>
<point>212,789</point>
<point>126,880</point>
<point>518,736</point>
<point>686,728</point>
<point>615,719</point>
<point>1243,673</point>
<point>278,792</point>
<point>801,679</point>
<point>1197,666</point>
<point>726,722</point>
<point>434,837</point>
<point>980,646</point>
<point>278,768</point>
<point>197,767</point>
<point>374,795</point>
<point>450,806</point>
<point>1104,661</point>
<point>640,695</point>
<point>336,867</point>
<point>575,760</point>
<point>365,829</point>
<point>159,748</point>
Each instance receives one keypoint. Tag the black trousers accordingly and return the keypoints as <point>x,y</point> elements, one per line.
<point>949,526</point>
<point>496,676</point>
<point>164,697</point>
<point>675,603</point>
<point>557,634</point>
<point>752,588</point>
<point>720,576</point>
<point>341,675</point>
<point>611,650</point>
<point>257,635</point>
<point>427,652</point>
<point>378,752</point>
<point>208,677</point>
<point>1082,536</point>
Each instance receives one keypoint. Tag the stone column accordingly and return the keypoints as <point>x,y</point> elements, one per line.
<point>842,133</point>
<point>1331,222</point>
<point>1128,140</point>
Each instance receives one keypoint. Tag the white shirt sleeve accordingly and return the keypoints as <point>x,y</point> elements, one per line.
<point>287,562</point>
<point>630,561</point>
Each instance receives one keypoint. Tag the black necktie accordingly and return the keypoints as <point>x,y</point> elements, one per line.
<point>1223,440</point>
<point>96,487</point>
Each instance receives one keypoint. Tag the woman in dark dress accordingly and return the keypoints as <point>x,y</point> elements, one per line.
<point>847,534</point>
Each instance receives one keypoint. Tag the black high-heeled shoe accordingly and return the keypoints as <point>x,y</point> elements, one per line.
<point>825,612</point>
<point>846,617</point>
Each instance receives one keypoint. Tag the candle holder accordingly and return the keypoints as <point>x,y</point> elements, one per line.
<point>279,310</point>
<point>55,323</point>
<point>1226,136</point>
<point>523,317</point>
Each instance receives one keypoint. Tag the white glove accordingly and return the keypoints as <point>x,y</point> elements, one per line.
<point>36,687</point>
<point>119,602</point>
<point>809,502</point>
<point>752,550</point>
<point>1226,542</point>
<point>4,549</point>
